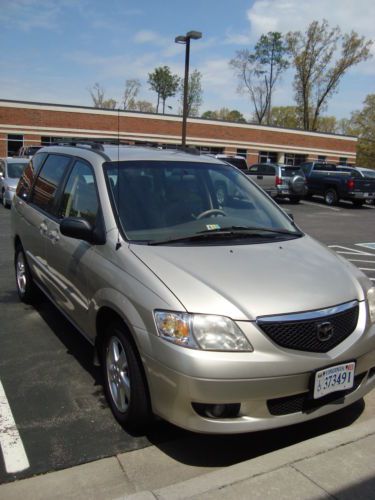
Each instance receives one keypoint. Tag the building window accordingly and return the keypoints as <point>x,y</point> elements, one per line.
<point>267,157</point>
<point>343,160</point>
<point>294,159</point>
<point>15,142</point>
<point>322,158</point>
<point>242,152</point>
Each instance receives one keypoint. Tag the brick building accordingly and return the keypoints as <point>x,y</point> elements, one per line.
<point>26,123</point>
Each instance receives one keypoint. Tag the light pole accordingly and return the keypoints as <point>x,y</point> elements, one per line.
<point>185,39</point>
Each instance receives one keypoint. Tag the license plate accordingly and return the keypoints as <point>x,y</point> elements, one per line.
<point>333,379</point>
<point>285,191</point>
<point>365,195</point>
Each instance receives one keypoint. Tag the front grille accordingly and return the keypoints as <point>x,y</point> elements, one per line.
<point>303,334</point>
<point>304,402</point>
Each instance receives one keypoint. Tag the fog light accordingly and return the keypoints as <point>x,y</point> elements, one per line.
<point>230,410</point>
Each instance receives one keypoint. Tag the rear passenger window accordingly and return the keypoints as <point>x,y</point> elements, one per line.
<point>27,179</point>
<point>48,180</point>
<point>80,198</point>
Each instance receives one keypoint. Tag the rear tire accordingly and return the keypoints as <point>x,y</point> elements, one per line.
<point>330,197</point>
<point>26,288</point>
<point>125,383</point>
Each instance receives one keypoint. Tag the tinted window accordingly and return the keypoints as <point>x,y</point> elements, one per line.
<point>325,167</point>
<point>80,197</point>
<point>27,180</point>
<point>291,171</point>
<point>237,162</point>
<point>46,184</point>
<point>15,170</point>
<point>265,169</point>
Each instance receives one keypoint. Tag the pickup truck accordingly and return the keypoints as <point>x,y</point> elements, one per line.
<point>335,183</point>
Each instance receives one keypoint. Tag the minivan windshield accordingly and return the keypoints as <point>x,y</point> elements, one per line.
<point>159,202</point>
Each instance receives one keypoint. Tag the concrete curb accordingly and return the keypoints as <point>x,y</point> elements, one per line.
<point>261,465</point>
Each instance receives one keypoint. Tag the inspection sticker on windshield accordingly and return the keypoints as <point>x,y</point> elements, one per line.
<point>334,378</point>
<point>212,227</point>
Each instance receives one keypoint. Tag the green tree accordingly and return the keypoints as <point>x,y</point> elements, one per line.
<point>225,114</point>
<point>164,83</point>
<point>97,93</point>
<point>362,125</point>
<point>319,69</point>
<point>258,71</point>
<point>285,116</point>
<point>195,93</point>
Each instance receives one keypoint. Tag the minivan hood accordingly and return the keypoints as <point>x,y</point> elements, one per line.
<point>247,281</point>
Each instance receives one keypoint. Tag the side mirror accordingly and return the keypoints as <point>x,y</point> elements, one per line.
<point>290,215</point>
<point>80,229</point>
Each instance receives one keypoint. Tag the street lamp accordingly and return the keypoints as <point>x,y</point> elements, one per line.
<point>185,39</point>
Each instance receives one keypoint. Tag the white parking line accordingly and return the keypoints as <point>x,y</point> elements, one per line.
<point>14,454</point>
<point>349,251</point>
<point>371,246</point>
<point>304,202</point>
<point>366,268</point>
<point>361,260</point>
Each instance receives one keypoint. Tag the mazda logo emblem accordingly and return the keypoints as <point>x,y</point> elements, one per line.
<point>324,331</point>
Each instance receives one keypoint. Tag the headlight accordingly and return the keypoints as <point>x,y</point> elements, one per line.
<point>371,303</point>
<point>200,331</point>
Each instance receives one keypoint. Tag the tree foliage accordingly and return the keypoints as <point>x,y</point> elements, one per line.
<point>258,71</point>
<point>97,93</point>
<point>291,117</point>
<point>225,114</point>
<point>164,83</point>
<point>320,68</point>
<point>195,93</point>
<point>362,125</point>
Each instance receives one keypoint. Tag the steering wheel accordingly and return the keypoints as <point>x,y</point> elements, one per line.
<point>212,211</point>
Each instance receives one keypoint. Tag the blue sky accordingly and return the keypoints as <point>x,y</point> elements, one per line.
<point>54,50</point>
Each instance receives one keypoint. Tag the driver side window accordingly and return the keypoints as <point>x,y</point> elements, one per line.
<point>80,198</point>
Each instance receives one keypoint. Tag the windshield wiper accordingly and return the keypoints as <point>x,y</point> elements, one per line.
<point>227,232</point>
<point>251,229</point>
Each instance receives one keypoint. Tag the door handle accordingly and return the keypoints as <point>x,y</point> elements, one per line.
<point>54,236</point>
<point>43,228</point>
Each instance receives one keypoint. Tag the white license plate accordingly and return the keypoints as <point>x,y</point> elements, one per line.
<point>365,195</point>
<point>334,378</point>
<point>285,191</point>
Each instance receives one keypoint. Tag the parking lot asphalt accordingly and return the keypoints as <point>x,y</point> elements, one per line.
<point>55,394</point>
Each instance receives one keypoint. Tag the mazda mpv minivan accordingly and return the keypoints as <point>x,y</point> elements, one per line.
<point>220,317</point>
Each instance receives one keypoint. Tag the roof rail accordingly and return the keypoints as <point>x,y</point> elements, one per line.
<point>190,150</point>
<point>80,144</point>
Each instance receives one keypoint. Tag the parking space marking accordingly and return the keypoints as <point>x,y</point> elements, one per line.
<point>371,246</point>
<point>362,260</point>
<point>304,202</point>
<point>349,251</point>
<point>14,453</point>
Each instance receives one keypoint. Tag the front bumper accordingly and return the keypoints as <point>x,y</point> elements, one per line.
<point>263,382</point>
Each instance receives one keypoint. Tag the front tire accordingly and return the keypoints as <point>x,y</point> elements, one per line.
<point>26,288</point>
<point>330,197</point>
<point>124,380</point>
<point>295,199</point>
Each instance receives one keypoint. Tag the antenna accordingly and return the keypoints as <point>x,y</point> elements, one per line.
<point>118,244</point>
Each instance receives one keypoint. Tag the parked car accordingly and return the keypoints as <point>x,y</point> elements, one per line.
<point>236,160</point>
<point>10,172</point>
<point>280,181</point>
<point>28,151</point>
<point>218,317</point>
<point>338,182</point>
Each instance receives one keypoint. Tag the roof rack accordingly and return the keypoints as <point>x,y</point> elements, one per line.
<point>80,144</point>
